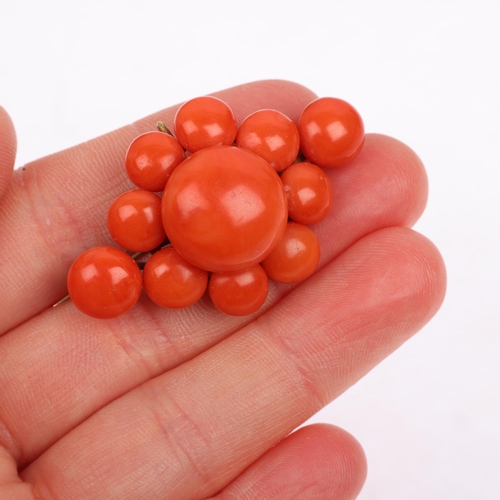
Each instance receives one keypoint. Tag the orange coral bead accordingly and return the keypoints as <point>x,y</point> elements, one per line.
<point>295,257</point>
<point>331,132</point>
<point>204,122</point>
<point>239,293</point>
<point>104,282</point>
<point>271,135</point>
<point>151,158</point>
<point>309,192</point>
<point>224,209</point>
<point>171,281</point>
<point>134,221</point>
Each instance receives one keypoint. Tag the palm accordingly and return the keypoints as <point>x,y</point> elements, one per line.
<point>183,404</point>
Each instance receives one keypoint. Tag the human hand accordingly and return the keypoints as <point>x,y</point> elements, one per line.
<point>191,403</point>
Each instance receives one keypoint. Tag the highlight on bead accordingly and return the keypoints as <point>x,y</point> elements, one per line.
<point>218,210</point>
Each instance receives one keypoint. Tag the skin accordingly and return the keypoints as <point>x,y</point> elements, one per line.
<point>191,403</point>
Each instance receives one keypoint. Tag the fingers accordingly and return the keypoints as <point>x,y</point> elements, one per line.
<point>319,462</point>
<point>189,432</point>
<point>316,462</point>
<point>61,202</point>
<point>61,367</point>
<point>8,146</point>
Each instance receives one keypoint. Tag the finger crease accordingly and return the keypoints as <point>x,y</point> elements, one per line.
<point>132,353</point>
<point>307,381</point>
<point>51,214</point>
<point>182,434</point>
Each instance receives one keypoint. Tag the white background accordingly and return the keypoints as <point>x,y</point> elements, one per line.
<point>426,72</point>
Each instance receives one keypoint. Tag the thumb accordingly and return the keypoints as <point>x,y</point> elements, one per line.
<point>8,146</point>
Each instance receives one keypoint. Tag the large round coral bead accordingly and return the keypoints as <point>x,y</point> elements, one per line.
<point>224,209</point>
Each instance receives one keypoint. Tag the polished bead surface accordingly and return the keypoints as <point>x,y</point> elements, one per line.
<point>331,132</point>
<point>134,220</point>
<point>170,281</point>
<point>240,293</point>
<point>309,192</point>
<point>104,282</point>
<point>204,122</point>
<point>271,135</point>
<point>151,158</point>
<point>295,257</point>
<point>224,209</point>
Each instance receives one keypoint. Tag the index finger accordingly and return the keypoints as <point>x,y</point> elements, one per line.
<point>7,149</point>
<point>56,207</point>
